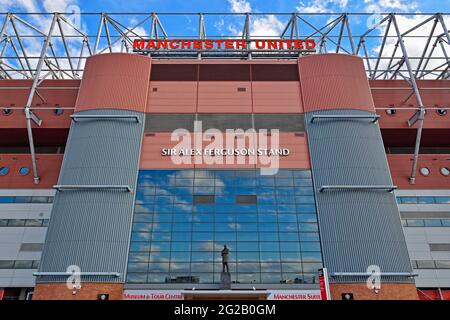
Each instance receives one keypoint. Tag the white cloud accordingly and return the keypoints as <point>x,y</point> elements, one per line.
<point>389,5</point>
<point>240,6</point>
<point>57,5</point>
<point>320,6</point>
<point>266,26</point>
<point>219,24</point>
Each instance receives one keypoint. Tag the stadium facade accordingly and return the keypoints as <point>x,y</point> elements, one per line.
<point>91,190</point>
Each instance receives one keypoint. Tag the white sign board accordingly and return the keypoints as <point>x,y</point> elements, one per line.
<point>294,295</point>
<point>152,295</point>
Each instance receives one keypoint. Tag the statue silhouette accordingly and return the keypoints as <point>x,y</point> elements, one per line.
<point>225,253</point>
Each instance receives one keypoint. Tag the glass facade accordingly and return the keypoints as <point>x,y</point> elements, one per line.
<point>183,218</point>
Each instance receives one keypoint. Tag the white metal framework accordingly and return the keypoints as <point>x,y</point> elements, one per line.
<point>407,46</point>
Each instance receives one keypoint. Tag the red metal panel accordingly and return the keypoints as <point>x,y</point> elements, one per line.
<point>172,97</point>
<point>224,97</point>
<point>430,294</point>
<point>334,81</point>
<point>49,166</point>
<point>398,94</point>
<point>400,166</point>
<point>14,93</point>
<point>445,294</point>
<point>276,97</point>
<point>115,81</point>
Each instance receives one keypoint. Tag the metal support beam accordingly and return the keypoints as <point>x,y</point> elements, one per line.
<point>100,274</point>
<point>368,274</point>
<point>101,117</point>
<point>412,79</point>
<point>349,116</point>
<point>92,187</point>
<point>99,33</point>
<point>31,96</point>
<point>364,187</point>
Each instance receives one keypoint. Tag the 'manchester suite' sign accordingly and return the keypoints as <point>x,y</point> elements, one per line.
<point>144,45</point>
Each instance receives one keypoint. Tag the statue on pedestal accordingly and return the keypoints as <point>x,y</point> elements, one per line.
<point>225,253</point>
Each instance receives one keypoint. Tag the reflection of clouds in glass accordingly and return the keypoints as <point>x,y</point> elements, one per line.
<point>248,278</point>
<point>234,226</point>
<point>179,267</point>
<point>139,257</point>
<point>292,227</point>
<point>211,246</point>
<point>292,267</point>
<point>155,248</point>
<point>145,208</point>
<point>159,257</point>
<point>172,191</point>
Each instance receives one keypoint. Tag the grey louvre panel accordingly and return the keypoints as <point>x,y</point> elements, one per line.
<point>169,122</point>
<point>439,246</point>
<point>246,199</point>
<point>31,246</point>
<point>357,228</point>
<point>425,215</point>
<point>91,228</point>
<point>226,121</point>
<point>203,199</point>
<point>282,122</point>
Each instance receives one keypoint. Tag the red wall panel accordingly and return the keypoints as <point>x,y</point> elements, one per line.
<point>14,93</point>
<point>115,81</point>
<point>48,165</point>
<point>276,97</point>
<point>224,97</point>
<point>401,165</point>
<point>398,94</point>
<point>172,97</point>
<point>334,81</point>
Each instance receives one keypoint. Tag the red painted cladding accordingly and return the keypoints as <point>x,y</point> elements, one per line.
<point>172,97</point>
<point>398,94</point>
<point>224,97</point>
<point>14,94</point>
<point>48,165</point>
<point>334,81</point>
<point>115,81</point>
<point>401,164</point>
<point>276,97</point>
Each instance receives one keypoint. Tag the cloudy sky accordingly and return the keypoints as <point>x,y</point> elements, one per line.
<point>229,5</point>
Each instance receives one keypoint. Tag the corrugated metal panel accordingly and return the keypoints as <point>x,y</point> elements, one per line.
<point>115,81</point>
<point>91,228</point>
<point>331,81</point>
<point>358,228</point>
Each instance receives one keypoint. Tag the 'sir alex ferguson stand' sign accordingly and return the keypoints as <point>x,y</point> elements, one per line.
<point>149,45</point>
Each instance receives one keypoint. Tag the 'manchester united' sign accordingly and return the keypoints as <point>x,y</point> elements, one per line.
<point>146,45</point>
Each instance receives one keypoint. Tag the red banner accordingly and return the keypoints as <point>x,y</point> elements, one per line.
<point>323,282</point>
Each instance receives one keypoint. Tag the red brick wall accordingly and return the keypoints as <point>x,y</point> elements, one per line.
<point>388,291</point>
<point>88,291</point>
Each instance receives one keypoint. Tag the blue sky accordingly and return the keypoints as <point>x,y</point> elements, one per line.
<point>228,5</point>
